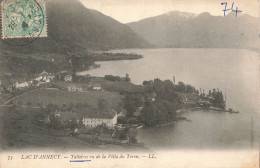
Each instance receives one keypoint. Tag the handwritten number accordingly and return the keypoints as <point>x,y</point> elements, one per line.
<point>232,8</point>
<point>225,3</point>
<point>235,10</point>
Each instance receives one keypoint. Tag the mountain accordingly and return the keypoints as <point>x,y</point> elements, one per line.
<point>180,29</point>
<point>74,32</point>
<point>73,27</point>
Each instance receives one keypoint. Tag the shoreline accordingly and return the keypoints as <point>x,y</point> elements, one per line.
<point>210,109</point>
<point>108,56</point>
<point>179,118</point>
<point>171,122</point>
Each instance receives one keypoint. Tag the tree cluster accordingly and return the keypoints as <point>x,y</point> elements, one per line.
<point>161,102</point>
<point>217,99</point>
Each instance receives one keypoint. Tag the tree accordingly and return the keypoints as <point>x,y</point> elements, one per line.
<point>189,89</point>
<point>219,101</point>
<point>51,108</point>
<point>132,101</point>
<point>210,94</point>
<point>181,87</point>
<point>55,122</point>
<point>158,112</point>
<point>71,124</point>
<point>148,114</point>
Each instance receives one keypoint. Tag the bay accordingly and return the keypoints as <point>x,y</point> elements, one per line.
<point>233,71</point>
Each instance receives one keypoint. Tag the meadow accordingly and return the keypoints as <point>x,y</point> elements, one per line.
<point>44,97</point>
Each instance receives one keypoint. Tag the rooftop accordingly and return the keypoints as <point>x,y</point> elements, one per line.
<point>96,113</point>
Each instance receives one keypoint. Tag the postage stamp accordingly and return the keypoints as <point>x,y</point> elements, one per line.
<point>23,19</point>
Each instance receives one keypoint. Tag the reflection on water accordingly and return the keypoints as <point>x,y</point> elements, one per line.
<point>234,71</point>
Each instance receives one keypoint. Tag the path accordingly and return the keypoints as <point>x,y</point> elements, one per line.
<point>20,95</point>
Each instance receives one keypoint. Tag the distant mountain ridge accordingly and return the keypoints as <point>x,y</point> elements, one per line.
<point>182,29</point>
<point>182,14</point>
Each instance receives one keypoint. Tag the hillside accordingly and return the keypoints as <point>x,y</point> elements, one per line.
<point>73,30</point>
<point>72,26</point>
<point>180,29</point>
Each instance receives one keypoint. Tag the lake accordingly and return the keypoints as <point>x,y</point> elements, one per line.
<point>233,71</point>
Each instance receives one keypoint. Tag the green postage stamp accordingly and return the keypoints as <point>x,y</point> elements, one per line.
<point>23,19</point>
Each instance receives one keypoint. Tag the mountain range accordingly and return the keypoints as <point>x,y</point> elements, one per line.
<point>74,28</point>
<point>181,29</point>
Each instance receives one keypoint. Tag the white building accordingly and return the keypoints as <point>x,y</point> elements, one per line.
<point>38,78</point>
<point>78,87</point>
<point>97,87</point>
<point>21,85</point>
<point>68,78</point>
<point>98,117</point>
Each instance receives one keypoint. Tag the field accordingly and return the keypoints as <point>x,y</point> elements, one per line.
<point>43,97</point>
<point>118,86</point>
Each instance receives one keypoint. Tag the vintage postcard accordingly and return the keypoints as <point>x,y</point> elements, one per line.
<point>140,83</point>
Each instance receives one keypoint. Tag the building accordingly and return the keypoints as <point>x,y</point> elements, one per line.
<point>97,87</point>
<point>78,87</point>
<point>94,117</point>
<point>122,113</point>
<point>21,85</point>
<point>63,116</point>
<point>138,111</point>
<point>151,96</point>
<point>7,85</point>
<point>39,78</point>
<point>68,78</point>
<point>44,77</point>
<point>75,88</point>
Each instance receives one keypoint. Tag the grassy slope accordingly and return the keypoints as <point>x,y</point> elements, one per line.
<point>59,97</point>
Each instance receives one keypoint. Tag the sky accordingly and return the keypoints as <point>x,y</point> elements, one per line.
<point>126,11</point>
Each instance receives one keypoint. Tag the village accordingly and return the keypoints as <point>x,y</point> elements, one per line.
<point>100,110</point>
<point>81,109</point>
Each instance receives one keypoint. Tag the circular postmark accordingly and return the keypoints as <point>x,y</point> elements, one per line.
<point>22,21</point>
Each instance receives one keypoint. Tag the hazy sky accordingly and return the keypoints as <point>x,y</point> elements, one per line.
<point>133,10</point>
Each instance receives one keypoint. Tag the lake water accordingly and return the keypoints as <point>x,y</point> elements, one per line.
<point>234,71</point>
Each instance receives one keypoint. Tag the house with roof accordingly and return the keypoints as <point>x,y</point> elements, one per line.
<point>38,78</point>
<point>78,87</point>
<point>44,77</point>
<point>68,78</point>
<point>8,85</point>
<point>21,85</point>
<point>63,116</point>
<point>138,111</point>
<point>122,113</point>
<point>93,117</point>
<point>97,87</point>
